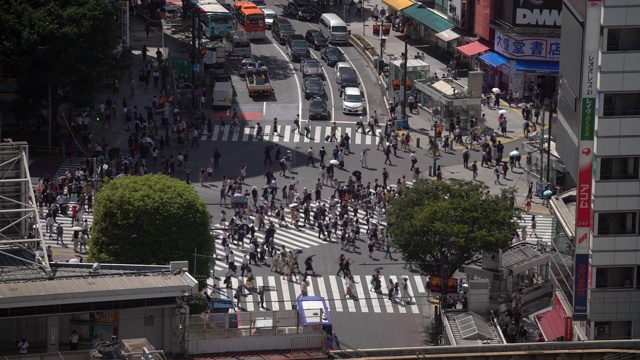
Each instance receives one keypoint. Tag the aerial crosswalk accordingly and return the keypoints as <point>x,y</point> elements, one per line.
<point>67,231</point>
<point>286,235</point>
<point>545,228</point>
<point>281,294</point>
<point>286,134</point>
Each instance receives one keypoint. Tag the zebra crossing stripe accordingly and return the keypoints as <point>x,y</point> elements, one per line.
<point>360,294</point>
<point>236,135</point>
<point>245,134</point>
<point>286,294</point>
<point>286,134</point>
<point>273,293</point>
<point>322,290</point>
<point>401,309</point>
<point>367,138</point>
<point>311,289</point>
<point>333,282</point>
<point>347,131</point>
<point>375,300</point>
<point>414,303</point>
<point>216,132</point>
<point>387,303</point>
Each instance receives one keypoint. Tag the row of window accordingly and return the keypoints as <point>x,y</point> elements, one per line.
<point>617,223</point>
<point>624,277</point>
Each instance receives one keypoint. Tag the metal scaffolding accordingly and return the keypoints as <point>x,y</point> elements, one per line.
<point>21,241</point>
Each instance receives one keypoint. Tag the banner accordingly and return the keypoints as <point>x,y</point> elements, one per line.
<point>581,284</point>
<point>527,47</point>
<point>436,285</point>
<point>568,328</point>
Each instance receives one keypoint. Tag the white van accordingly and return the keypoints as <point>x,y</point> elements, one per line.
<point>334,28</point>
<point>338,69</point>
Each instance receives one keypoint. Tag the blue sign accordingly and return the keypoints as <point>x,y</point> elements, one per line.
<point>581,288</point>
<point>197,68</point>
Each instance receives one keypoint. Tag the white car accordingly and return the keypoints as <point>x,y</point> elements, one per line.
<point>338,67</point>
<point>269,16</point>
<point>352,99</point>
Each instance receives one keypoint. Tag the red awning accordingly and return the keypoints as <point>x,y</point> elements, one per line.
<point>473,48</point>
<point>551,324</point>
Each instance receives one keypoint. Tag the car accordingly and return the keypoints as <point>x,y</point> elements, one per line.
<point>337,70</point>
<point>316,39</point>
<point>259,3</point>
<point>332,55</point>
<point>281,29</point>
<point>297,48</point>
<point>311,67</point>
<point>318,109</point>
<point>170,12</point>
<point>300,11</point>
<point>313,87</point>
<point>248,62</point>
<point>269,16</point>
<point>352,101</point>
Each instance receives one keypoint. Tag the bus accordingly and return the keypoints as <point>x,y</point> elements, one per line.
<point>314,316</point>
<point>238,5</point>
<point>252,21</point>
<point>215,20</point>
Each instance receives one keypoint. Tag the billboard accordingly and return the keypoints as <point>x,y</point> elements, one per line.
<point>482,18</point>
<point>527,47</point>
<point>537,13</point>
<point>581,289</point>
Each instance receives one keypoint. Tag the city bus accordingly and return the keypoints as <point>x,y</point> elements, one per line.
<point>215,20</point>
<point>252,21</point>
<point>238,5</point>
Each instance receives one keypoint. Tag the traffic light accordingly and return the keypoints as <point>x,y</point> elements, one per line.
<point>98,117</point>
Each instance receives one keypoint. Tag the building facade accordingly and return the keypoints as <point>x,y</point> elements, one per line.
<point>598,132</point>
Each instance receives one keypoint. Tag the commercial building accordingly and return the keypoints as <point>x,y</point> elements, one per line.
<point>598,132</point>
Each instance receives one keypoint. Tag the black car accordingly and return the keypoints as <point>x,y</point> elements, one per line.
<point>297,48</point>
<point>318,109</point>
<point>300,11</point>
<point>316,39</point>
<point>332,55</point>
<point>311,67</point>
<point>313,87</point>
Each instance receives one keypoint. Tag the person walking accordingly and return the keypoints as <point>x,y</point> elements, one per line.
<point>259,135</point>
<point>304,287</point>
<point>322,154</point>
<point>474,169</point>
<point>275,126</point>
<point>261,297</point>
<point>360,125</point>
<point>496,172</point>
<point>74,338</point>
<point>363,158</point>
<point>310,157</point>
<point>405,291</point>
<point>465,157</point>
<point>307,129</point>
<point>414,160</point>
<point>387,153</point>
<point>533,225</point>
<point>147,28</point>
<point>334,130</point>
<point>308,265</point>
<point>390,290</point>
<point>296,123</point>
<point>23,346</point>
<point>340,263</point>
<point>372,127</point>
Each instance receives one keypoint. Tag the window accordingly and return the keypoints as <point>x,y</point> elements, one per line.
<point>612,330</point>
<point>621,104</point>
<point>615,277</point>
<point>618,223</point>
<point>624,168</point>
<point>627,39</point>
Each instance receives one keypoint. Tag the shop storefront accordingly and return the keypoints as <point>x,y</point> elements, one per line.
<point>526,64</point>
<point>396,6</point>
<point>471,51</point>
<point>422,23</point>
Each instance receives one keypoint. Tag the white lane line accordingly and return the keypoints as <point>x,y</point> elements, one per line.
<point>295,75</point>
<point>317,137</point>
<point>399,304</point>
<point>414,303</point>
<point>326,77</point>
<point>287,134</point>
<point>267,132</point>
<point>216,131</point>
<point>350,300</point>
<point>367,139</point>
<point>364,88</point>
<point>322,291</point>
<point>375,297</point>
<point>335,293</point>
<point>361,296</point>
<point>236,134</point>
<point>286,295</point>
<point>245,134</point>
<point>310,289</point>
<point>273,293</point>
<point>387,303</point>
<point>259,285</point>
<point>264,107</point>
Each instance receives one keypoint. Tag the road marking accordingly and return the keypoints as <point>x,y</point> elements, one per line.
<point>414,303</point>
<point>287,133</point>
<point>317,137</point>
<point>273,293</point>
<point>216,130</point>
<point>236,134</point>
<point>267,132</point>
<point>347,131</point>
<point>264,107</point>
<point>295,75</point>
<point>387,303</point>
<point>276,135</point>
<point>350,301</point>
<point>367,139</point>
<point>375,297</point>
<point>337,298</point>
<point>286,295</point>
<point>322,290</point>
<point>204,137</point>
<point>259,285</point>
<point>310,289</point>
<point>246,133</point>
<point>296,137</point>
<point>249,300</point>
<point>364,88</point>
<point>362,298</point>
<point>401,308</point>
<point>326,76</point>
<point>225,133</point>
<point>419,286</point>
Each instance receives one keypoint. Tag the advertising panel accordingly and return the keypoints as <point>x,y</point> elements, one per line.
<point>581,284</point>
<point>568,328</point>
<point>482,18</point>
<point>436,284</point>
<point>538,13</point>
<point>527,47</point>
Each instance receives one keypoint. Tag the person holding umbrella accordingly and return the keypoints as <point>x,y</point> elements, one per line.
<point>308,265</point>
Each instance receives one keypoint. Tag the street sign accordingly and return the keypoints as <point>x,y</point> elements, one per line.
<point>197,68</point>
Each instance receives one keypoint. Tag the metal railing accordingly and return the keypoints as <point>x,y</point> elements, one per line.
<point>255,323</point>
<point>60,355</point>
<point>309,343</point>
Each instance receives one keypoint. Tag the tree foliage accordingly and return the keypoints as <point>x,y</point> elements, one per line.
<point>68,44</point>
<point>438,222</point>
<point>197,304</point>
<point>151,219</point>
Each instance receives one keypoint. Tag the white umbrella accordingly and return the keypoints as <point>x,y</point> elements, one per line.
<point>502,111</point>
<point>148,140</point>
<point>294,205</point>
<point>76,228</point>
<point>514,153</point>
<point>496,91</point>
<point>334,162</point>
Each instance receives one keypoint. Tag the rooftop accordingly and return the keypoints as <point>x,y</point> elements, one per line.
<point>469,328</point>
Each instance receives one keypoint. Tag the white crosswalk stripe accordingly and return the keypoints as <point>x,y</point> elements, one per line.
<point>281,294</point>
<point>288,236</point>
<point>545,228</point>
<point>318,134</point>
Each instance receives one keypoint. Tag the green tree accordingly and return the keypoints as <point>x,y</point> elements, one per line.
<point>66,44</point>
<point>151,219</point>
<point>438,223</point>
<point>197,304</point>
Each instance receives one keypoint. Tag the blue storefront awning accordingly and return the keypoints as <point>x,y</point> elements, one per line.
<point>494,59</point>
<point>540,67</point>
<point>427,17</point>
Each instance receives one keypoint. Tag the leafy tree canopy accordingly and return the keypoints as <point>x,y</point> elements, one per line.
<point>68,44</point>
<point>151,219</point>
<point>438,222</point>
<point>197,304</point>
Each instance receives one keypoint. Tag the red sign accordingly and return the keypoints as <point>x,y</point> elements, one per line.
<point>568,328</point>
<point>583,218</point>
<point>436,285</point>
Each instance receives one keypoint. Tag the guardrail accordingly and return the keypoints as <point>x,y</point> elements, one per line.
<point>60,355</point>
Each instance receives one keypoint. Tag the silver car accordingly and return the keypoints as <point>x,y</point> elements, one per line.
<point>311,67</point>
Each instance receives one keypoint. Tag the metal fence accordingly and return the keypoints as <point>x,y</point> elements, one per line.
<point>61,355</point>
<point>256,323</point>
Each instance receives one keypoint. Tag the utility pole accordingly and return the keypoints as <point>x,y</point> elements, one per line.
<point>549,144</point>
<point>382,43</point>
<point>542,146</point>
<point>404,83</point>
<point>50,117</point>
<point>194,57</point>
